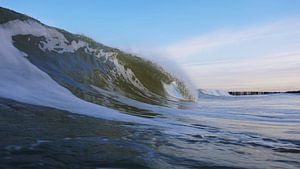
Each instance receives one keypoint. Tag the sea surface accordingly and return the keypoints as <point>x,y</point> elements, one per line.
<point>214,132</point>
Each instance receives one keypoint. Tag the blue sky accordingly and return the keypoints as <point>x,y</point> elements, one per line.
<point>213,41</point>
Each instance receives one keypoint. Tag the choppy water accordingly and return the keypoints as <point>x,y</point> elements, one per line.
<point>215,132</point>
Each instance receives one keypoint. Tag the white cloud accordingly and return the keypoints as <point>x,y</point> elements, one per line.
<point>275,72</point>
<point>264,57</point>
<point>225,37</point>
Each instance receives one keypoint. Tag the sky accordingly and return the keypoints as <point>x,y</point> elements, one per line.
<point>219,44</point>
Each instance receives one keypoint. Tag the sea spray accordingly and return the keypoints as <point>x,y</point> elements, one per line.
<point>162,59</point>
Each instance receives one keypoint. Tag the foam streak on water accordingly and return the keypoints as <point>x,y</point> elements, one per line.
<point>246,131</point>
<point>217,131</point>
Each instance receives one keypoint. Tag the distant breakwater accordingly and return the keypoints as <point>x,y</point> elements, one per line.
<point>243,93</point>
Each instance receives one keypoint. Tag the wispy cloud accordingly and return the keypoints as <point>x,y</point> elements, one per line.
<point>275,72</point>
<point>263,57</point>
<point>233,37</point>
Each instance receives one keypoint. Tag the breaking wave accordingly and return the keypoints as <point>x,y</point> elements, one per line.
<point>48,66</point>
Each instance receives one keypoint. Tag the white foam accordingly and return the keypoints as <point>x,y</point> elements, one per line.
<point>127,74</point>
<point>173,91</point>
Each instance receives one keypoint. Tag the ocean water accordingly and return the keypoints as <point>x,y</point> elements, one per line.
<point>214,132</point>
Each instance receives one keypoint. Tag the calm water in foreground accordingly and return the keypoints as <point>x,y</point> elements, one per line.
<point>215,132</point>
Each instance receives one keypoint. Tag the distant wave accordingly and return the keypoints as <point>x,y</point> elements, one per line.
<point>213,92</point>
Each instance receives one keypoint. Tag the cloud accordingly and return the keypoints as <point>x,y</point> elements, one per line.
<point>232,37</point>
<point>268,73</point>
<point>262,57</point>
